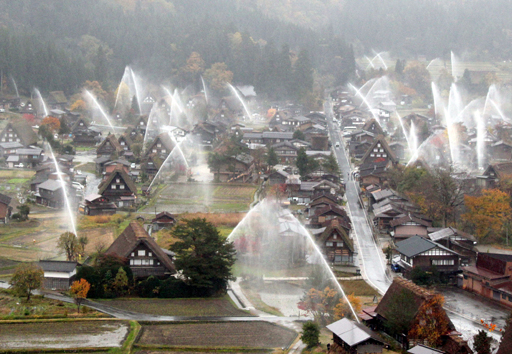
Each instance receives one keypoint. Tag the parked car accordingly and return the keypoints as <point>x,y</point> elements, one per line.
<point>20,165</point>
<point>396,268</point>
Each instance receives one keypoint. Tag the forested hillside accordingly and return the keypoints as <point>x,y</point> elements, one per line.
<point>96,39</point>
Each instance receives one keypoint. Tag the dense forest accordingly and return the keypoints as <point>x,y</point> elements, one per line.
<point>58,44</point>
<point>277,46</point>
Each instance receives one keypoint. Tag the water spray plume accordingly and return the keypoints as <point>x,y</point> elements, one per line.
<point>204,89</point>
<point>64,190</point>
<point>370,63</point>
<point>15,87</point>
<point>365,101</point>
<point>42,102</point>
<point>378,55</point>
<point>98,106</point>
<point>267,229</point>
<point>176,147</point>
<point>136,86</point>
<point>246,109</point>
<point>404,132</point>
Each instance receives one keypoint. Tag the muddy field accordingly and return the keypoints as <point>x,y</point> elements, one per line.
<point>179,307</point>
<point>218,334</point>
<point>78,334</point>
<point>200,197</point>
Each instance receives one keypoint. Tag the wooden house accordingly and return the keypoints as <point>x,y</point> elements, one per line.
<point>417,251</point>
<point>490,277</point>
<point>501,151</point>
<point>96,204</point>
<point>418,296</point>
<point>109,146</point>
<point>151,164</point>
<point>58,275</point>
<point>286,153</point>
<point>161,146</point>
<point>126,142</point>
<point>5,209</point>
<point>50,194</point>
<point>409,226</point>
<point>335,244</point>
<point>350,337</point>
<point>119,188</point>
<point>145,257</point>
<point>140,126</point>
<point>57,100</point>
<point>163,220</point>
<point>398,149</point>
<point>18,131</point>
<point>373,127</point>
<point>494,173</point>
<point>320,201</point>
<point>330,212</point>
<point>379,152</point>
<point>277,177</point>
<point>236,168</point>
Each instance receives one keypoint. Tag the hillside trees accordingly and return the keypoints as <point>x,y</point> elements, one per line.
<point>26,278</point>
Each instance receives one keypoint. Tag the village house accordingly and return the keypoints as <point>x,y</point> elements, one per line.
<point>379,152</point>
<point>163,220</point>
<point>57,100</point>
<point>50,194</point>
<point>108,147</point>
<point>320,201</point>
<point>302,191</point>
<point>490,277</point>
<point>456,240</point>
<point>286,153</point>
<point>18,131</point>
<point>235,168</point>
<point>501,151</point>
<point>335,243</point>
<point>350,337</point>
<point>7,149</point>
<point>58,275</point>
<point>150,165</point>
<point>417,251</point>
<point>378,317</point>
<point>5,209</point>
<point>83,134</point>
<point>330,212</point>
<point>119,188</point>
<point>145,257</point>
<point>161,146</point>
<point>277,177</point>
<point>29,157</point>
<point>493,174</point>
<point>409,226</point>
<point>96,204</point>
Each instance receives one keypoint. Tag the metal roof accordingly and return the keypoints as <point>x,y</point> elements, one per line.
<point>414,245</point>
<point>50,185</point>
<point>421,349</point>
<point>351,333</point>
<point>58,266</point>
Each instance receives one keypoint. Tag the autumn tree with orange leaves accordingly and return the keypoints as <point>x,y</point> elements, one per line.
<point>487,213</point>
<point>326,306</point>
<point>79,290</point>
<point>52,123</point>
<point>430,322</point>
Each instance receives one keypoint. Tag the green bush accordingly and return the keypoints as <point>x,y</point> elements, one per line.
<point>310,334</point>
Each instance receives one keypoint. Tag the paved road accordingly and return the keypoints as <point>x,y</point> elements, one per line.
<point>373,265</point>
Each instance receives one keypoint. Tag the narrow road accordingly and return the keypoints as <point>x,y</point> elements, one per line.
<point>373,266</point>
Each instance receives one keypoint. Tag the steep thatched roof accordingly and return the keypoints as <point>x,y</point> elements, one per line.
<point>118,171</point>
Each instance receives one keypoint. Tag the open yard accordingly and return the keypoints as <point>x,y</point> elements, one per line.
<point>75,334</point>
<point>179,307</point>
<point>180,198</point>
<point>217,335</point>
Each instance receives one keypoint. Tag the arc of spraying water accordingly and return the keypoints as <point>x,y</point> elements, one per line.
<point>265,205</point>
<point>375,116</point>
<point>246,109</point>
<point>15,87</point>
<point>64,190</point>
<point>95,101</point>
<point>176,145</point>
<point>378,55</point>
<point>204,89</point>
<point>136,86</point>
<point>45,109</point>
<point>404,132</point>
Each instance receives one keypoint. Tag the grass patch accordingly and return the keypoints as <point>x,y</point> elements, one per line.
<point>220,306</point>
<point>358,288</point>
<point>8,174</point>
<point>12,307</point>
<point>18,180</point>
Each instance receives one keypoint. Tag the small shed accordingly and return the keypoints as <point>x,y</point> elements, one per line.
<point>352,337</point>
<point>163,220</point>
<point>58,275</point>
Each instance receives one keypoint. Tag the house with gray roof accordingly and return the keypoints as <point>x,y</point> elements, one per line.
<point>58,275</point>
<point>351,337</point>
<point>50,194</point>
<point>417,251</point>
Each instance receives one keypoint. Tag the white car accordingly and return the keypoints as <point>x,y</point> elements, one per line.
<point>20,165</point>
<point>2,110</point>
<point>77,185</point>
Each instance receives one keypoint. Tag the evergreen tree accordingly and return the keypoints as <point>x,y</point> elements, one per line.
<point>310,334</point>
<point>203,256</point>
<point>272,158</point>
<point>331,165</point>
<point>299,134</point>
<point>482,343</point>
<point>302,162</point>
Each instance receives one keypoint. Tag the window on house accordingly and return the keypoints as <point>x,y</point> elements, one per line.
<point>141,253</point>
<point>154,150</point>
<point>150,254</point>
<point>131,261</point>
<point>164,151</point>
<point>113,186</point>
<point>118,180</point>
<point>158,145</point>
<point>121,186</point>
<point>329,244</point>
<point>133,254</point>
<point>339,244</point>
<point>137,262</point>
